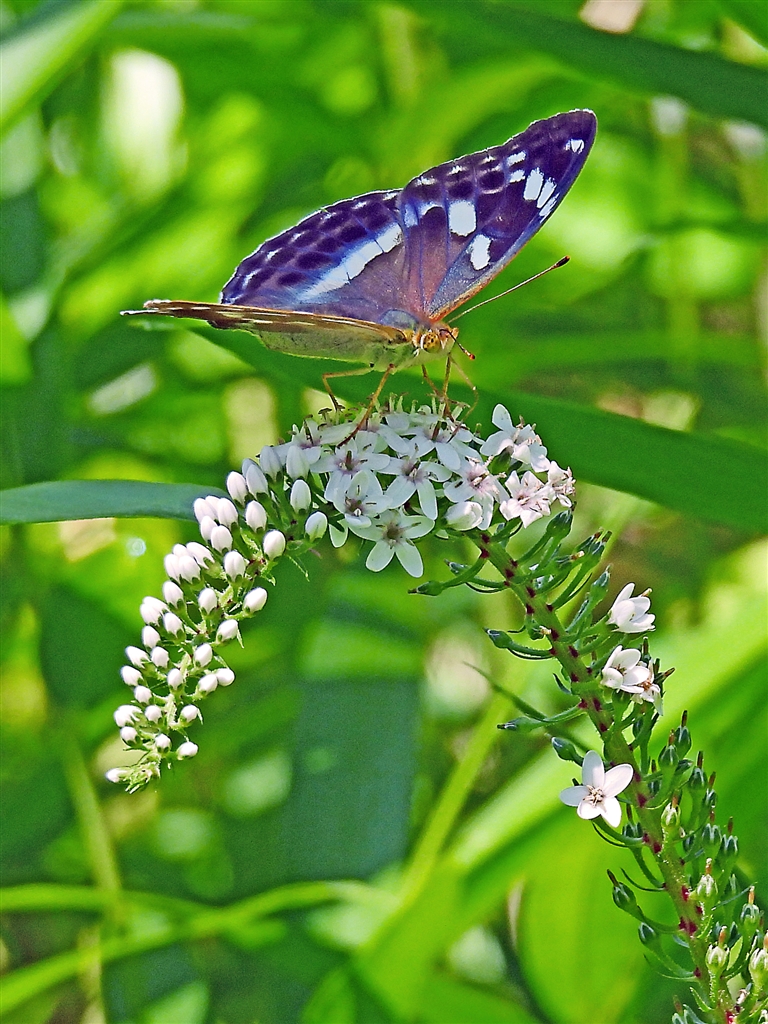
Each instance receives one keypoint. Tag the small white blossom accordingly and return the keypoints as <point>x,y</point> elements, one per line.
<point>630,614</point>
<point>228,629</point>
<point>153,713</point>
<point>464,515</point>
<point>203,508</point>
<point>561,484</point>
<point>476,483</point>
<point>175,678</point>
<point>316,525</point>
<point>237,487</point>
<point>203,654</point>
<point>344,463</point>
<point>128,734</point>
<point>270,462</point>
<point>162,742</point>
<point>529,499</point>
<point>116,774</point>
<point>200,553</point>
<point>225,676</point>
<point>208,683</point>
<point>226,514</point>
<point>172,593</point>
<point>625,671</point>
<point>415,476</point>
<point>143,694</point>
<point>189,570</point>
<point>130,675</point>
<point>160,657</point>
<point>189,713</point>
<point>255,600</point>
<point>600,788</point>
<point>136,656</point>
<point>392,533</point>
<point>171,564</point>
<point>207,525</point>
<point>254,477</point>
<point>234,564</point>
<point>362,500</point>
<point>301,496</point>
<point>187,749</point>
<point>151,609</point>
<point>221,538</point>
<point>207,600</point>
<point>126,714</point>
<point>273,544</point>
<point>172,623</point>
<point>150,637</point>
<point>255,516</point>
<point>522,442</point>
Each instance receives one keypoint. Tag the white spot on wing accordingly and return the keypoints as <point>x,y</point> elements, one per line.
<point>388,239</point>
<point>575,145</point>
<point>479,252</point>
<point>515,158</point>
<point>517,175</point>
<point>548,207</point>
<point>461,217</point>
<point>410,217</point>
<point>546,192</point>
<point>457,169</point>
<point>425,179</point>
<point>533,184</point>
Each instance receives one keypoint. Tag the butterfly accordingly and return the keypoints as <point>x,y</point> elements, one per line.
<point>371,279</point>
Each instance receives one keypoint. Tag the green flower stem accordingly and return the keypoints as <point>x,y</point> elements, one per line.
<point>617,749</point>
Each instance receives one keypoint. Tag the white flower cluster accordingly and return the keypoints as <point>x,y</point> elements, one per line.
<point>392,480</point>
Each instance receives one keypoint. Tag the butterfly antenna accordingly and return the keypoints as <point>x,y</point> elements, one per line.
<point>541,273</point>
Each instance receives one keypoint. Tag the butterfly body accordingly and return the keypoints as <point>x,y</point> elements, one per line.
<point>371,279</point>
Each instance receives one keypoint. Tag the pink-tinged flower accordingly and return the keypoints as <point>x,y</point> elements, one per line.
<point>475,483</point>
<point>630,614</point>
<point>561,483</point>
<point>598,793</point>
<point>393,533</point>
<point>624,671</point>
<point>522,442</point>
<point>530,498</point>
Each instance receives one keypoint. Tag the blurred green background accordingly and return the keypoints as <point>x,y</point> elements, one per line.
<point>148,147</point>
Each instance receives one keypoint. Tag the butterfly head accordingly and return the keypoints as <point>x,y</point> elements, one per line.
<point>434,340</point>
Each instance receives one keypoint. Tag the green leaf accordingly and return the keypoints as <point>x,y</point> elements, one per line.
<point>34,58</point>
<point>751,15</point>
<point>57,500</point>
<point>445,998</point>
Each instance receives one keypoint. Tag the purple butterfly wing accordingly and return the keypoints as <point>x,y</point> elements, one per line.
<point>467,218</point>
<point>407,258</point>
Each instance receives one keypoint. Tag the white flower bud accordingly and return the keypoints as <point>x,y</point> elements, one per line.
<point>172,623</point>
<point>203,654</point>
<point>150,637</point>
<point>179,550</point>
<point>125,714</point>
<point>200,553</point>
<point>234,564</point>
<point>188,568</point>
<point>221,538</point>
<point>208,600</point>
<point>257,482</point>
<point>301,496</point>
<point>227,514</point>
<point>227,630</point>
<point>187,749</point>
<point>160,657</point>
<point>255,600</point>
<point>316,525</point>
<point>131,676</point>
<point>143,694</point>
<point>464,515</point>
<point>171,564</point>
<point>269,461</point>
<point>202,509</point>
<point>207,526</point>
<point>225,676</point>
<point>237,487</point>
<point>153,713</point>
<point>162,742</point>
<point>296,463</point>
<point>255,515</point>
<point>175,678</point>
<point>274,544</point>
<point>128,734</point>
<point>151,609</point>
<point>189,713</point>
<point>115,774</point>
<point>208,683</point>
<point>136,656</point>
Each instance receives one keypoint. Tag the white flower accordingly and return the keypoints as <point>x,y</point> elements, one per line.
<point>529,500</point>
<point>270,461</point>
<point>392,532</point>
<point>344,463</point>
<point>523,443</point>
<point>172,623</point>
<point>234,564</point>
<point>150,637</point>
<point>316,525</point>
<point>172,593</point>
<point>160,657</point>
<point>255,600</point>
<point>187,749</point>
<point>273,544</point>
<point>237,487</point>
<point>301,497</point>
<point>221,538</point>
<point>202,508</point>
<point>630,614</point>
<point>143,694</point>
<point>362,500</point>
<point>153,713</point>
<point>255,515</point>
<point>175,678</point>
<point>207,525</point>
<point>207,600</point>
<point>189,570</point>
<point>151,609</point>
<point>203,654</point>
<point>254,477</point>
<point>128,734</point>
<point>561,483</point>
<point>429,433</point>
<point>414,475</point>
<point>598,793</point>
<point>200,553</point>
<point>136,656</point>
<point>475,483</point>
<point>189,713</point>
<point>208,683</point>
<point>162,742</point>
<point>116,774</point>
<point>302,451</point>
<point>171,565</point>
<point>225,676</point>
<point>464,515</point>
<point>226,513</point>
<point>130,675</point>
<point>625,671</point>
<point>126,714</point>
<point>228,630</point>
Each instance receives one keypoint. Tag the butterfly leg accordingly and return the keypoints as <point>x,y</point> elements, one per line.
<point>342,373</point>
<point>371,402</point>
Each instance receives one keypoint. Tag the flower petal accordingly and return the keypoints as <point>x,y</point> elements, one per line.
<point>380,557</point>
<point>593,772</point>
<point>573,795</point>
<point>610,809</point>
<point>617,779</point>
<point>587,809</point>
<point>410,559</point>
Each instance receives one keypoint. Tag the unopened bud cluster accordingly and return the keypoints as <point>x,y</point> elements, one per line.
<point>390,480</point>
